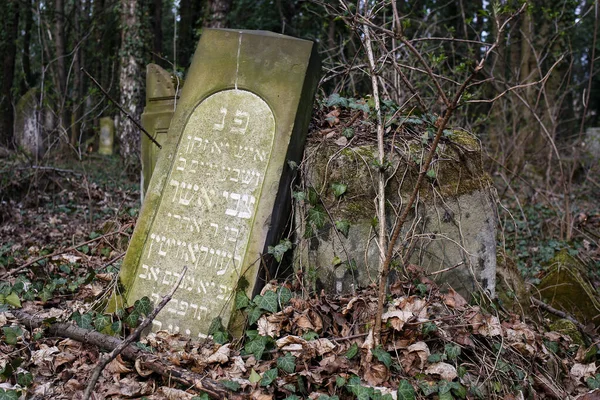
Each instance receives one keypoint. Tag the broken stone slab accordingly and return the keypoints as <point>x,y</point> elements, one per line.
<point>451,233</point>
<point>106,140</point>
<point>220,191</point>
<point>566,288</point>
<point>162,90</point>
<point>28,125</point>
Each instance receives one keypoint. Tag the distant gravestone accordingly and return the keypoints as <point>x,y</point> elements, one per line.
<point>220,191</point>
<point>27,126</point>
<point>107,136</point>
<point>160,106</point>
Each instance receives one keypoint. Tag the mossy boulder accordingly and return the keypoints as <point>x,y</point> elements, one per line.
<point>566,288</point>
<point>452,226</point>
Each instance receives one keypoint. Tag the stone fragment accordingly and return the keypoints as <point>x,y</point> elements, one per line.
<point>220,191</point>
<point>566,288</point>
<point>107,136</point>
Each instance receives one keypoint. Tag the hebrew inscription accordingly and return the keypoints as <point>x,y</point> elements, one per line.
<point>207,210</point>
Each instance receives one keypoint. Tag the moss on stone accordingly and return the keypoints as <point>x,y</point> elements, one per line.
<point>566,288</point>
<point>569,329</point>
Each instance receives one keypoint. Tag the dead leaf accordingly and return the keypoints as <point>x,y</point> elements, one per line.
<point>267,328</point>
<point>397,318</point>
<point>259,395</point>
<point>376,374</point>
<point>415,354</point>
<point>454,300</point>
<point>341,141</point>
<point>117,366</point>
<point>220,356</point>
<point>140,369</point>
<point>444,370</point>
<point>579,371</point>
<point>303,322</point>
<point>490,327</point>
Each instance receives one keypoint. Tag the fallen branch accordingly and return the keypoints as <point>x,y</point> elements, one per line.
<point>146,360</point>
<point>564,315</point>
<point>104,360</point>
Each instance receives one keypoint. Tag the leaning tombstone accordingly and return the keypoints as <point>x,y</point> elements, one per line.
<point>220,191</point>
<point>107,136</point>
<point>161,91</point>
<point>27,128</point>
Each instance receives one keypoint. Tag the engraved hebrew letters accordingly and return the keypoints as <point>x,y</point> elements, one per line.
<point>207,209</point>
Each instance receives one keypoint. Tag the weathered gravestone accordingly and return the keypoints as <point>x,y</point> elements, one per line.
<point>452,234</point>
<point>28,131</point>
<point>219,194</point>
<point>160,105</point>
<point>107,136</point>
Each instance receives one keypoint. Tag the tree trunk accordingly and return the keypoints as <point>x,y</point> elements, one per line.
<point>8,72</point>
<point>61,71</point>
<point>217,13</point>
<point>29,80</point>
<point>77,81</point>
<point>130,77</point>
<point>157,46</point>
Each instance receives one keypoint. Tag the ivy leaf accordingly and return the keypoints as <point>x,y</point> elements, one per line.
<point>144,306</point>
<point>452,351</point>
<point>83,321</point>
<point>231,385</point>
<point>241,300</point>
<point>593,382</point>
<point>101,321</point>
<point>428,387</point>
<point>279,250</point>
<point>8,395</point>
<point>221,337</point>
<point>13,300</point>
<point>352,351</point>
<point>336,100</point>
<point>268,301</point>
<point>287,363</point>
<point>445,396</point>
<point>406,391</point>
<point>116,327</point>
<point>254,314</point>
<point>299,196</point>
<point>431,174</point>
<point>292,397</point>
<point>285,295</point>
<point>268,377</point>
<point>317,216</point>
<point>24,379</point>
<point>459,390</point>
<point>11,334</point>
<point>436,357</point>
<point>256,347</point>
<point>339,189</point>
<point>343,226</point>
<point>216,325</point>
<point>382,355</point>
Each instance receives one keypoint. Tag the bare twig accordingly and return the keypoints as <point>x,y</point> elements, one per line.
<point>135,122</point>
<point>130,339</point>
<point>382,234</point>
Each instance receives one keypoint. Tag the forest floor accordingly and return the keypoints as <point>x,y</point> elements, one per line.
<point>64,230</point>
